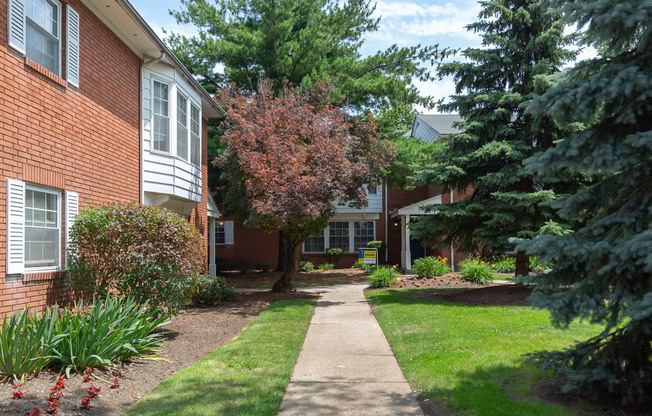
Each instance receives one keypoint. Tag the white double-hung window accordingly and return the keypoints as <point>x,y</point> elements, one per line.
<point>195,136</point>
<point>43,33</point>
<point>182,126</point>
<point>34,226</point>
<point>42,227</point>
<point>161,118</point>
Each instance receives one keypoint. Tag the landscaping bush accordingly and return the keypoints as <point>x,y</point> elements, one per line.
<point>94,335</point>
<point>505,265</point>
<point>383,277</point>
<point>476,271</point>
<point>212,290</point>
<point>306,266</point>
<point>149,253</point>
<point>334,255</point>
<point>103,332</point>
<point>263,266</point>
<point>380,246</point>
<point>326,266</point>
<point>430,266</point>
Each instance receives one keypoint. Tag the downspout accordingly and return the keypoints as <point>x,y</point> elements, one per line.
<point>386,219</point>
<point>142,135</point>
<point>452,246</point>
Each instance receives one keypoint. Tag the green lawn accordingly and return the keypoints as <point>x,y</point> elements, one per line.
<point>246,376</point>
<point>470,357</point>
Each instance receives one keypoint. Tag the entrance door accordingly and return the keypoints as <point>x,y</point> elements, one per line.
<point>417,250</point>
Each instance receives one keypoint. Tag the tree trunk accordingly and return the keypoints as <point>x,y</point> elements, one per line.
<point>522,264</point>
<point>293,249</point>
<point>283,254</point>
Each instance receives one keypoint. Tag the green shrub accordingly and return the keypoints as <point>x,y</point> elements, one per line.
<point>476,271</point>
<point>505,265</point>
<point>430,266</point>
<point>326,266</point>
<point>26,342</point>
<point>380,246</point>
<point>383,277</point>
<point>538,266</point>
<point>263,266</point>
<point>98,334</point>
<point>212,290</point>
<point>149,253</point>
<point>306,266</point>
<point>222,264</point>
<point>334,254</point>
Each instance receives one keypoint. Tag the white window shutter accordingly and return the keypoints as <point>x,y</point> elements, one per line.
<point>16,25</point>
<point>228,232</point>
<point>15,226</point>
<point>72,209</point>
<point>72,47</point>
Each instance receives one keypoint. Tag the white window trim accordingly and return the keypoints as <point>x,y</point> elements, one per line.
<point>179,91</point>
<point>59,193</point>
<point>170,119</point>
<point>326,235</point>
<point>228,229</point>
<point>59,24</point>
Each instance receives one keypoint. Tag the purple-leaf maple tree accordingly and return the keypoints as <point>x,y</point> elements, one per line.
<point>289,157</point>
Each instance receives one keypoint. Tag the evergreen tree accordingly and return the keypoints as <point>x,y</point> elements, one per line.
<point>603,269</point>
<point>522,43</point>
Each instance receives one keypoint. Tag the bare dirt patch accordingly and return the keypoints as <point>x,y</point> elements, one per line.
<point>315,278</point>
<point>195,332</point>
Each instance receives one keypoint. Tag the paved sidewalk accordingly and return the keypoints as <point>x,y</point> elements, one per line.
<point>346,366</point>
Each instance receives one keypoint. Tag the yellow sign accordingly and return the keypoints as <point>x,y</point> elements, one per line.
<point>368,256</point>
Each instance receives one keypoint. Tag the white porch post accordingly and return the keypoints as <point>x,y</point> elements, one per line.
<point>212,270</point>
<point>406,255</point>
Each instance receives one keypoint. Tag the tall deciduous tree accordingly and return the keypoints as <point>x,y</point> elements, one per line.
<point>602,271</point>
<point>522,42</point>
<point>289,158</point>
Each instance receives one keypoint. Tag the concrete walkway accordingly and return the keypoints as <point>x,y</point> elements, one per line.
<point>346,366</point>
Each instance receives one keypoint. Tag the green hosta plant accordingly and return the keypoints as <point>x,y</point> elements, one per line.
<point>476,270</point>
<point>383,277</point>
<point>430,266</point>
<point>101,333</point>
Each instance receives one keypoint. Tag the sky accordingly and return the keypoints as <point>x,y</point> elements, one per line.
<point>405,23</point>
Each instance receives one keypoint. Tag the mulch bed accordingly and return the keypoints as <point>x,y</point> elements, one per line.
<point>195,333</point>
<point>253,279</point>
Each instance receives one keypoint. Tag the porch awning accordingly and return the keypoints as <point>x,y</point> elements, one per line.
<point>417,207</point>
<point>212,208</point>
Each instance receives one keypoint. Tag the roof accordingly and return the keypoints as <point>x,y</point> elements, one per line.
<point>417,207</point>
<point>441,123</point>
<point>123,19</point>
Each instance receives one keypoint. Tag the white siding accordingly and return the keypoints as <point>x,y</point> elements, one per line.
<point>424,132</point>
<point>165,173</point>
<point>375,205</point>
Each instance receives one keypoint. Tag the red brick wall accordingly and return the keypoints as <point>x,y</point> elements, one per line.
<point>199,215</point>
<point>249,248</point>
<point>85,140</point>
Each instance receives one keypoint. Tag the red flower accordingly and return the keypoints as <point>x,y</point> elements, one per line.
<point>36,412</point>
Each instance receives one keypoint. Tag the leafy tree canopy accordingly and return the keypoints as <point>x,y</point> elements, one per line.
<point>290,157</point>
<point>604,266</point>
<point>523,42</point>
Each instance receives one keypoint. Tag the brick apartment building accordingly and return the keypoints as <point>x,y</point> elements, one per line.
<point>386,218</point>
<point>93,108</point>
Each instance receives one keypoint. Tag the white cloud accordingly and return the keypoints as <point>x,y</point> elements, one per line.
<point>438,90</point>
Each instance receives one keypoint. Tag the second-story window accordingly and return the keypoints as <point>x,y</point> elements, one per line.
<point>195,136</point>
<point>43,33</point>
<point>182,126</point>
<point>161,117</point>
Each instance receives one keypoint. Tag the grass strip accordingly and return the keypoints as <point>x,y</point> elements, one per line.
<point>470,357</point>
<point>246,376</point>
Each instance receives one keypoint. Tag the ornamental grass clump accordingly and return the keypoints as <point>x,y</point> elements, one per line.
<point>476,271</point>
<point>431,266</point>
<point>383,277</point>
<point>146,252</point>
